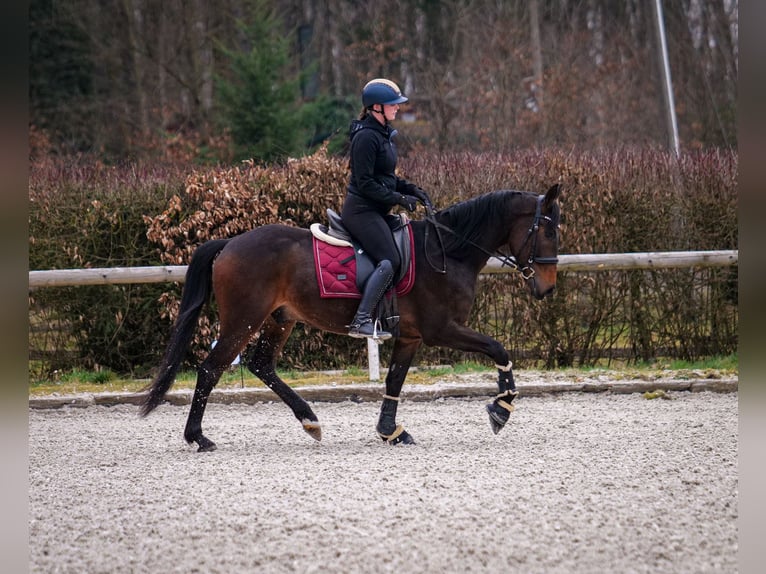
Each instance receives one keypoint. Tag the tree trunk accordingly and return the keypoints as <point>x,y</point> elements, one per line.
<point>537,52</point>
<point>202,64</point>
<point>135,21</point>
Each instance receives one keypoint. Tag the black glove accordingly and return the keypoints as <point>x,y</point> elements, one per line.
<point>420,193</point>
<point>409,188</point>
<point>409,202</point>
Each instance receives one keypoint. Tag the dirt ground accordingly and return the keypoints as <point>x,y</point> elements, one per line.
<point>576,482</point>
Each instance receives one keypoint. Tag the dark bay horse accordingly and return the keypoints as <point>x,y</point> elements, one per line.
<point>264,282</point>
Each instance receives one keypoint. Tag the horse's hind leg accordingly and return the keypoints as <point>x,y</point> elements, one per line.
<point>208,374</point>
<point>262,361</point>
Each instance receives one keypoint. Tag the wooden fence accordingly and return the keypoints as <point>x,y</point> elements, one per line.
<point>586,262</point>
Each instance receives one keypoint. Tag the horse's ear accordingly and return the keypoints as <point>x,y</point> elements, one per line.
<point>551,195</point>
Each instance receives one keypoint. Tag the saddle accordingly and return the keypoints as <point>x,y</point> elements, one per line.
<point>342,266</point>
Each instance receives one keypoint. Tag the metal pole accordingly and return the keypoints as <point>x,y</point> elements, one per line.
<point>668,84</point>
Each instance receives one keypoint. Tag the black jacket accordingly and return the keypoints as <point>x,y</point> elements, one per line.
<point>373,165</point>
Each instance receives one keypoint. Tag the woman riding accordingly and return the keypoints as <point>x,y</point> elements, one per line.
<point>373,189</point>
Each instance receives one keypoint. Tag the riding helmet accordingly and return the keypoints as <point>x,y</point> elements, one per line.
<point>381,91</point>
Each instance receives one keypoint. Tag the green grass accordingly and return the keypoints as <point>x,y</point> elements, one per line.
<point>75,382</point>
<point>730,362</point>
<point>95,377</point>
<point>463,368</point>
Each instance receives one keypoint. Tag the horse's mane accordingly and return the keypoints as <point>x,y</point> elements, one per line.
<point>473,219</point>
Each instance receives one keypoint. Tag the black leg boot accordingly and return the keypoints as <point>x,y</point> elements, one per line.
<point>387,428</point>
<point>363,324</point>
<point>501,408</point>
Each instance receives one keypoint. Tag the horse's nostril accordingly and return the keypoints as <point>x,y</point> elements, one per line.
<point>543,294</point>
<point>550,291</point>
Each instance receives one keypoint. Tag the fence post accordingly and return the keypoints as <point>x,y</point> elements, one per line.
<point>373,360</point>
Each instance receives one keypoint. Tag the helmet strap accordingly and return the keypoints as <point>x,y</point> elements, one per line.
<point>380,111</point>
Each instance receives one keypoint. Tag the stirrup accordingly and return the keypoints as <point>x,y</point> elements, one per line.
<point>377,334</point>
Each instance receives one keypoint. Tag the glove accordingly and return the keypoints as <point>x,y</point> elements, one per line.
<point>409,188</point>
<point>409,202</point>
<point>420,193</point>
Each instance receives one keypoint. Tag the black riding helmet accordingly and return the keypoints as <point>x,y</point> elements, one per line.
<point>381,91</point>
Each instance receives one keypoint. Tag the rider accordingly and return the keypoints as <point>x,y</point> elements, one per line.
<point>373,189</point>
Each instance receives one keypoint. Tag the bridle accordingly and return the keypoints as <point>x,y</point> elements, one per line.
<point>527,271</point>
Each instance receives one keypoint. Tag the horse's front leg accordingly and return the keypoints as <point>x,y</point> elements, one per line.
<point>462,338</point>
<point>401,358</point>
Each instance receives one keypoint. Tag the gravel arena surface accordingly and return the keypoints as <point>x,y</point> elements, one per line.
<point>576,482</point>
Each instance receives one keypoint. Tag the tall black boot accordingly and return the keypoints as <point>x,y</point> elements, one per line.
<point>363,324</point>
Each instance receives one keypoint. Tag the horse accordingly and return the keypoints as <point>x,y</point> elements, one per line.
<point>264,282</point>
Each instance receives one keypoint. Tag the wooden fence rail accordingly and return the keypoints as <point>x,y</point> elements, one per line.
<point>587,262</point>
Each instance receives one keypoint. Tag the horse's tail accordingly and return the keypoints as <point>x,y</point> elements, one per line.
<point>196,292</point>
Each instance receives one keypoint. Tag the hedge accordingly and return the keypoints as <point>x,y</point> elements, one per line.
<point>614,201</point>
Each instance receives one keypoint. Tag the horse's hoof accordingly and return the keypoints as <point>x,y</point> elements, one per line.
<point>498,416</point>
<point>404,438</point>
<point>206,445</point>
<point>313,428</point>
<point>399,436</point>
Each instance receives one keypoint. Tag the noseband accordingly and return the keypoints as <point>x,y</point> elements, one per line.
<point>527,272</point>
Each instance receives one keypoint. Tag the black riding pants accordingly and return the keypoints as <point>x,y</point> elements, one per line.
<point>368,226</point>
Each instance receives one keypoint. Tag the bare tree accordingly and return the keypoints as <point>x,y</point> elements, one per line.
<point>141,72</point>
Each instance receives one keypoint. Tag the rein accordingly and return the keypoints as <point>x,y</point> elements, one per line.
<point>432,220</point>
<point>527,272</point>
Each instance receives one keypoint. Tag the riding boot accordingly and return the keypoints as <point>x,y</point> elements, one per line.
<point>364,324</point>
